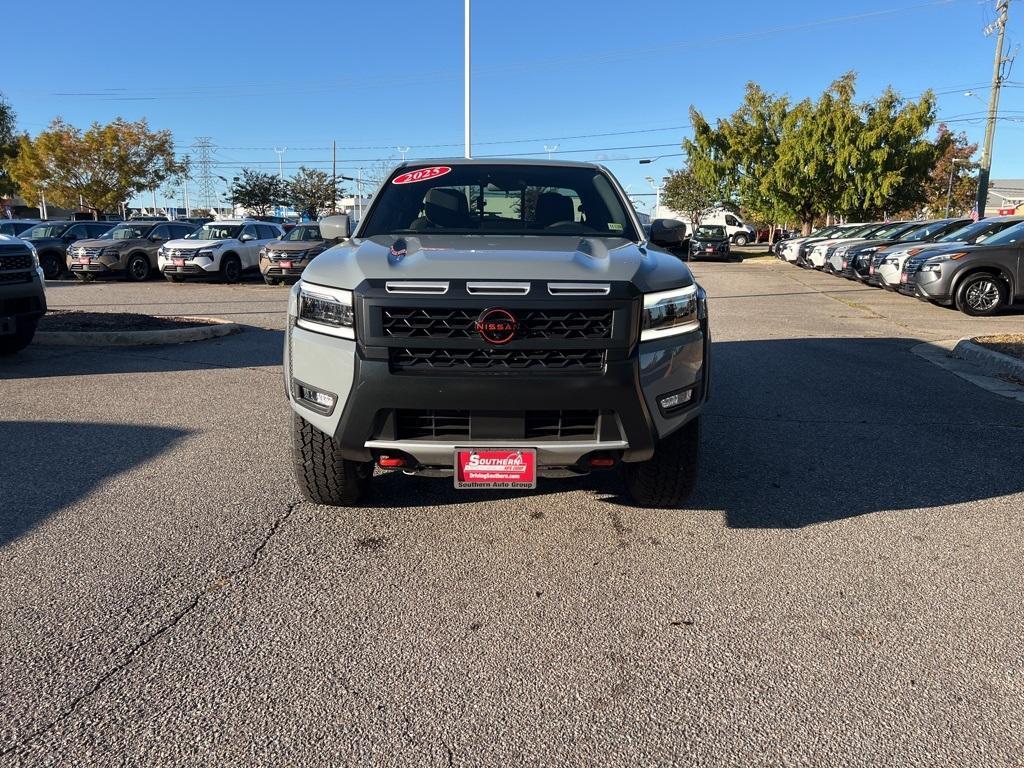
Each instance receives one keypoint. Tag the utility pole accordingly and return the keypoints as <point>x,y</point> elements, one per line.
<point>1002,7</point>
<point>334,176</point>
<point>469,147</point>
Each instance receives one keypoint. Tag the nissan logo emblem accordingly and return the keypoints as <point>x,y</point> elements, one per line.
<point>497,326</point>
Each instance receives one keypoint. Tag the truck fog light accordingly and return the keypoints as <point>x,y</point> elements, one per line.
<point>320,401</point>
<point>674,400</point>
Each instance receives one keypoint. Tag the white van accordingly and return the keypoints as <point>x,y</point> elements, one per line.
<point>740,233</point>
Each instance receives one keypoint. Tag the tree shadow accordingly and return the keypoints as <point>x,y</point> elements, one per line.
<point>251,348</point>
<point>48,465</point>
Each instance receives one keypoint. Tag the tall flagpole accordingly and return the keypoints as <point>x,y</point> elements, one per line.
<point>469,152</point>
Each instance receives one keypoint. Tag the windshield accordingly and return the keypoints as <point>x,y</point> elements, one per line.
<point>56,229</point>
<point>1014,234</point>
<point>500,200</point>
<point>304,233</point>
<point>127,232</point>
<point>891,231</point>
<point>863,230</point>
<point>216,232</point>
<point>711,232</point>
<point>976,232</point>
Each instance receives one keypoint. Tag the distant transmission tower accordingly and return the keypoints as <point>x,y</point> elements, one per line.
<point>204,172</point>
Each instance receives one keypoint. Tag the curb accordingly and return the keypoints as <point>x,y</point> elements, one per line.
<point>989,360</point>
<point>216,329</point>
<point>943,354</point>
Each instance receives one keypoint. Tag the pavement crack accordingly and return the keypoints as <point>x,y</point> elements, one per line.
<point>212,585</point>
<point>449,753</point>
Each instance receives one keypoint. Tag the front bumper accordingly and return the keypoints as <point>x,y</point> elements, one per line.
<point>23,299</point>
<point>197,267</point>
<point>372,398</point>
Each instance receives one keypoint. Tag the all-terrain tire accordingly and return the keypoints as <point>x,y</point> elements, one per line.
<point>668,478</point>
<point>324,476</point>
<point>21,338</point>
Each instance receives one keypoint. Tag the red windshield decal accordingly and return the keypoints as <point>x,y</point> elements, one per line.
<point>422,174</point>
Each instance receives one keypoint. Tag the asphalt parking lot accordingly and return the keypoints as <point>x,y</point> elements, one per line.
<point>844,589</point>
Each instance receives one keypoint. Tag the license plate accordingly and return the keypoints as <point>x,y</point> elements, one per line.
<point>179,262</point>
<point>286,265</point>
<point>903,277</point>
<point>709,249</point>
<point>7,326</point>
<point>871,269</point>
<point>495,468</point>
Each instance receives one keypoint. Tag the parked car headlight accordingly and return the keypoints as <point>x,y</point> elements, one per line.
<point>931,266</point>
<point>207,253</point>
<point>263,252</point>
<point>669,312</point>
<point>161,252</point>
<point>111,252</point>
<point>326,310</point>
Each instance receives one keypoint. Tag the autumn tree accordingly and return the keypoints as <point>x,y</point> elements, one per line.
<point>312,192</point>
<point>952,174</point>
<point>8,147</point>
<point>102,166</point>
<point>258,192</point>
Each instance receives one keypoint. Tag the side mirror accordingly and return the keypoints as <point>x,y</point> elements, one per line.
<point>246,238</point>
<point>668,233</point>
<point>337,227</point>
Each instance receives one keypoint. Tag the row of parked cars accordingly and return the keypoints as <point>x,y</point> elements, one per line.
<point>139,249</point>
<point>974,266</point>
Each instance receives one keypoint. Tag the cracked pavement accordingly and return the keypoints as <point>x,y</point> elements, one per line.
<point>844,588</point>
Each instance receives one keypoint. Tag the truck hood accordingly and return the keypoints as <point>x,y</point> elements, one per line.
<point>492,257</point>
<point>291,246</point>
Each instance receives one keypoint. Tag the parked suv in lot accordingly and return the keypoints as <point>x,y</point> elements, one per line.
<point>534,332</point>
<point>14,227</point>
<point>52,238</point>
<point>22,294</point>
<point>284,259</point>
<point>710,241</point>
<point>223,249</point>
<point>128,249</point>
<point>976,279</point>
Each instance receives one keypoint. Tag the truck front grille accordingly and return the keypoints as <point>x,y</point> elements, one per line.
<point>496,360</point>
<point>425,323</point>
<point>15,277</point>
<point>535,426</point>
<point>20,261</point>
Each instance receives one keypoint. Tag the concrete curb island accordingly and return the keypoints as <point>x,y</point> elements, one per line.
<point>988,359</point>
<point>213,328</point>
<point>979,367</point>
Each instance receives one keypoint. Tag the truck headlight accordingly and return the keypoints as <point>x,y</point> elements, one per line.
<point>669,312</point>
<point>35,254</point>
<point>325,310</point>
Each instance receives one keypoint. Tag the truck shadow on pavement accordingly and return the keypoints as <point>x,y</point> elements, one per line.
<point>251,348</point>
<point>50,465</point>
<point>815,430</point>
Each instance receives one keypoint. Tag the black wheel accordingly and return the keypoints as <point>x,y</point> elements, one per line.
<point>667,479</point>
<point>138,268</point>
<point>270,280</point>
<point>230,269</point>
<point>174,278</point>
<point>741,239</point>
<point>325,477</point>
<point>21,338</point>
<point>52,266</point>
<point>981,295</point>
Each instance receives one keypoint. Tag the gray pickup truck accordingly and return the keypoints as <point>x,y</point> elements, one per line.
<point>496,321</point>
<point>22,294</point>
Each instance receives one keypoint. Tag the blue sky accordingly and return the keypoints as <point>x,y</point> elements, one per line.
<point>375,76</point>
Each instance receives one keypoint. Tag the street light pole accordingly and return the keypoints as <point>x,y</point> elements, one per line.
<point>949,189</point>
<point>466,94</point>
<point>1002,8</point>
<point>280,164</point>
<point>657,195</point>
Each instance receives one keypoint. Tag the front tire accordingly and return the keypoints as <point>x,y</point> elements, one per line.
<point>324,476</point>
<point>981,295</point>
<point>138,268</point>
<point>741,239</point>
<point>668,478</point>
<point>230,269</point>
<point>174,278</point>
<point>21,338</point>
<point>52,266</point>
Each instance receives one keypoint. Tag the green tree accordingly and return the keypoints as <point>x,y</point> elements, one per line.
<point>258,192</point>
<point>312,192</point>
<point>8,147</point>
<point>950,146</point>
<point>103,166</point>
<point>684,191</point>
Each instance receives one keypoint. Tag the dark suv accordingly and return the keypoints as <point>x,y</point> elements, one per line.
<point>284,260</point>
<point>710,241</point>
<point>128,249</point>
<point>977,279</point>
<point>52,238</point>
